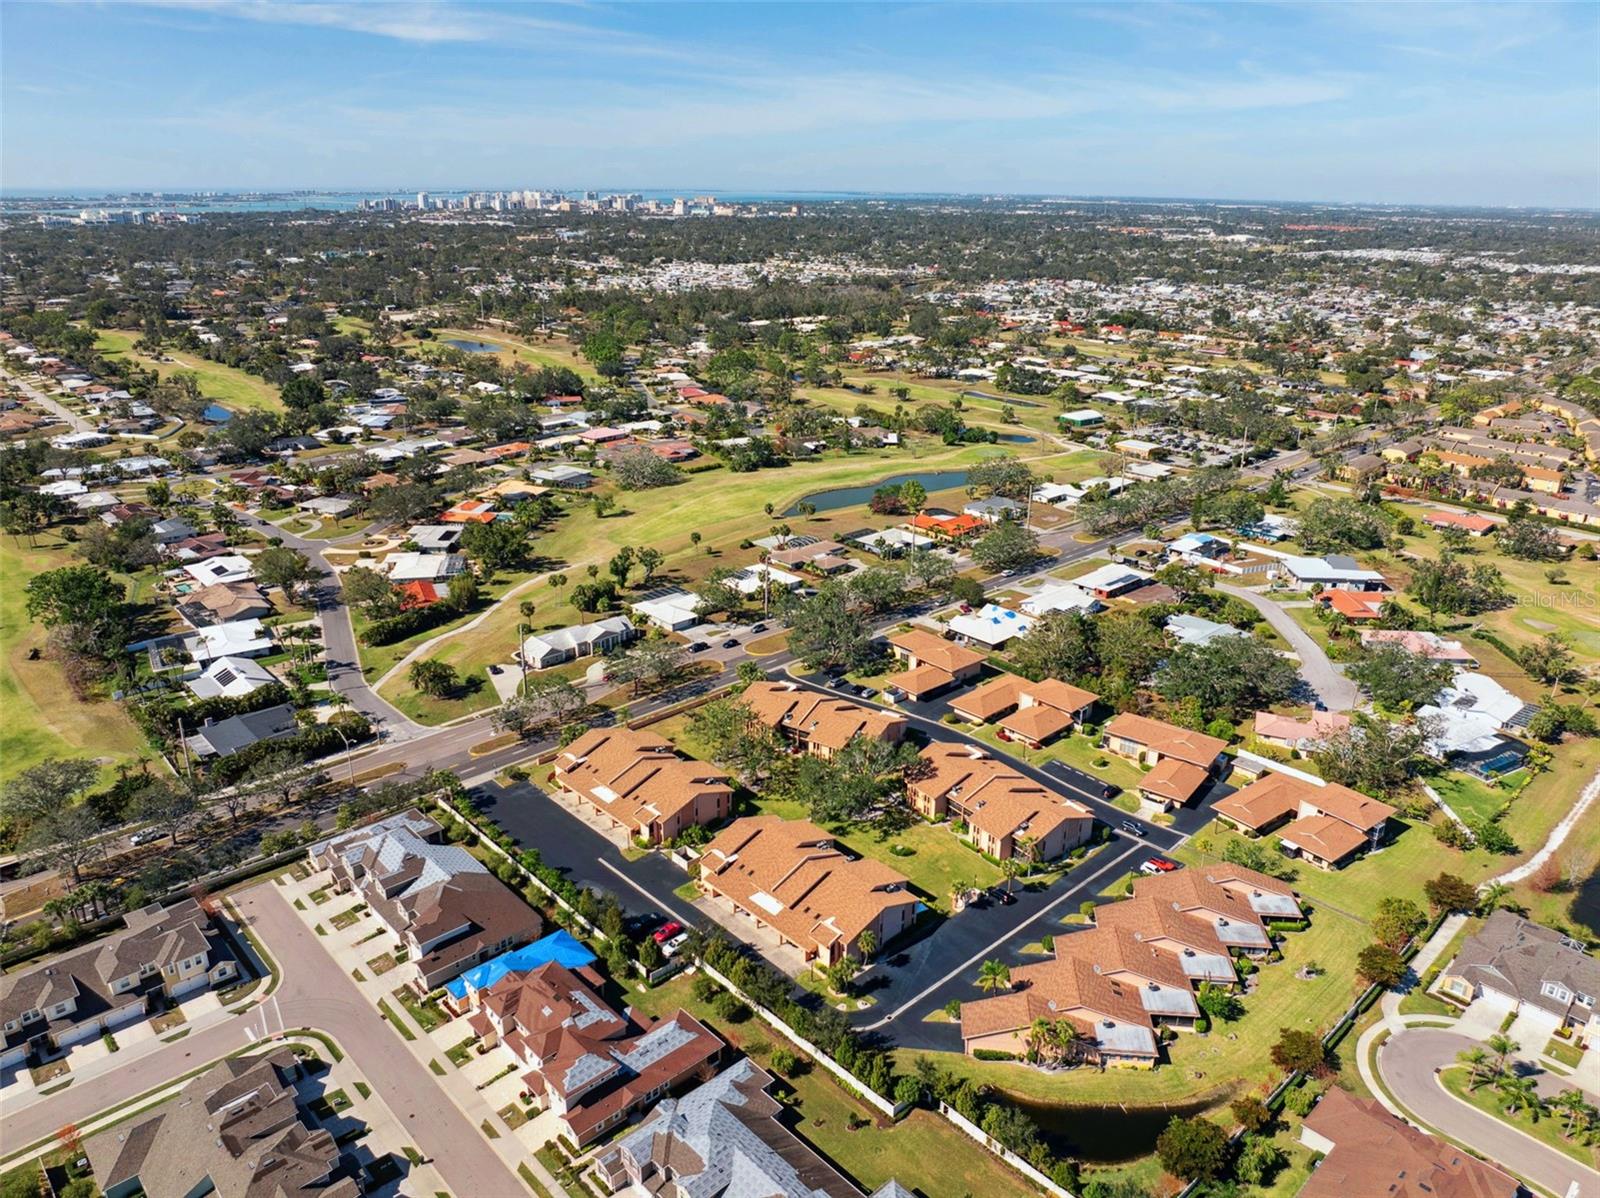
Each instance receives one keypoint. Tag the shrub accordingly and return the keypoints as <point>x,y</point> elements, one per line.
<point>993,1054</point>
<point>784,1062</point>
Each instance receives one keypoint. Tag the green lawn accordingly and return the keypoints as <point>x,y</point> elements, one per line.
<point>1469,797</point>
<point>1547,1130</point>
<point>1074,750</point>
<point>1230,1057</point>
<point>228,386</point>
<point>42,717</point>
<point>922,1151</point>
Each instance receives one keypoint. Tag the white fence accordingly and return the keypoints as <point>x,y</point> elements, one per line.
<point>1001,1151</point>
<point>854,1083</point>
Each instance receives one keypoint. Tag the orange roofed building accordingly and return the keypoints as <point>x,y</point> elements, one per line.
<point>638,781</point>
<point>1004,811</point>
<point>1030,712</point>
<point>932,664</point>
<point>789,876</point>
<point>1331,825</point>
<point>587,1063</point>
<point>1183,761</point>
<point>818,723</point>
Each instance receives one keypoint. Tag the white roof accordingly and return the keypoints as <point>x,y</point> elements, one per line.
<point>991,624</point>
<point>424,567</point>
<point>1067,596</point>
<point>575,637</point>
<point>1109,578</point>
<point>1194,630</point>
<point>750,580</point>
<point>227,567</point>
<point>1335,567</point>
<point>230,677</point>
<point>1469,713</point>
<point>236,638</point>
<point>672,610</point>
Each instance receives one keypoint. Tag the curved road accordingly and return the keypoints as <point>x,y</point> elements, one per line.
<point>1407,1061</point>
<point>1336,691</point>
<point>316,993</point>
<point>339,636</point>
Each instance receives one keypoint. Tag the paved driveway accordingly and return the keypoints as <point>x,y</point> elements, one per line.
<point>1408,1061</point>
<point>1336,691</point>
<point>315,993</point>
<point>1483,1018</point>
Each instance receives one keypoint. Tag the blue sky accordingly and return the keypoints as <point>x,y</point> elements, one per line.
<point>1410,103</point>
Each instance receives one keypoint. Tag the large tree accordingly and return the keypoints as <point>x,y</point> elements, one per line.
<point>1193,1149</point>
<point>1005,546</point>
<point>85,596</point>
<point>825,631</point>
<point>1229,677</point>
<point>1061,644</point>
<point>1398,679</point>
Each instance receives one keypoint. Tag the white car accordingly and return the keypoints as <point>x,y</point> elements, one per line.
<point>671,947</point>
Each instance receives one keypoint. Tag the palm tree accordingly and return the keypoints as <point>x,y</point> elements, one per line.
<point>1037,1038</point>
<point>524,631</point>
<point>1010,867</point>
<point>1574,1109</point>
<point>867,944</point>
<point>1476,1060</point>
<point>1491,897</point>
<point>1521,1093</point>
<point>842,972</point>
<point>994,975</point>
<point>1503,1047</point>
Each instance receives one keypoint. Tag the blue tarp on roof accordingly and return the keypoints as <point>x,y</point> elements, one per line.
<point>561,947</point>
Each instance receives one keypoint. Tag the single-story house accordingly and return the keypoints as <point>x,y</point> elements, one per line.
<point>579,640</point>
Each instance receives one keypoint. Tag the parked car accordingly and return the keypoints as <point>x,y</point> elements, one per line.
<point>667,931</point>
<point>730,643</point>
<point>698,647</point>
<point>1133,829</point>
<point>671,947</point>
<point>1158,865</point>
<point>1006,898</point>
<point>148,836</point>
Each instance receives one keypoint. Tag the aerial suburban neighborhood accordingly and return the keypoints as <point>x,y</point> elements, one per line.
<point>838,695</point>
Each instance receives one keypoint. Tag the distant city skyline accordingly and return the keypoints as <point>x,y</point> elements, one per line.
<point>1422,104</point>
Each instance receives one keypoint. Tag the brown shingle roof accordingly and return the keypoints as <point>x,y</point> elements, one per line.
<point>635,776</point>
<point>822,719</point>
<point>929,649</point>
<point>1375,1153</point>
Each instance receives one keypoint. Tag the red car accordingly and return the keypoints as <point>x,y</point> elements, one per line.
<point>666,931</point>
<point>1158,865</point>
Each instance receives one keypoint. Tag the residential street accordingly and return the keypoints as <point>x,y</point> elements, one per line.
<point>1408,1061</point>
<point>76,423</point>
<point>1336,691</point>
<point>314,993</point>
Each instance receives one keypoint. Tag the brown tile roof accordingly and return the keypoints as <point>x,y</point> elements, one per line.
<point>1271,797</point>
<point>1375,1153</point>
<point>1324,837</point>
<point>1008,691</point>
<point>1038,722</point>
<point>820,718</point>
<point>928,649</point>
<point>1116,950</point>
<point>1063,988</point>
<point>1175,780</point>
<point>636,776</point>
<point>1167,739</point>
<point>994,797</point>
<point>918,680</point>
<point>789,874</point>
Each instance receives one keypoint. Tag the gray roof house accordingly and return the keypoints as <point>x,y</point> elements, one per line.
<point>236,1131</point>
<point>438,899</point>
<point>723,1140</point>
<point>165,954</point>
<point>223,738</point>
<point>434,538</point>
<point>1534,966</point>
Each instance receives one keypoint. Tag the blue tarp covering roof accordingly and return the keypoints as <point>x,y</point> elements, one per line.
<point>561,947</point>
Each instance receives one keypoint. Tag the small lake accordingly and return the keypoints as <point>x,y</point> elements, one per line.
<point>215,413</point>
<point>473,347</point>
<point>838,497</point>
<point>1015,438</point>
<point>1104,1135</point>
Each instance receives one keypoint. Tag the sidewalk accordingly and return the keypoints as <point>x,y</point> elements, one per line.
<point>480,1086</point>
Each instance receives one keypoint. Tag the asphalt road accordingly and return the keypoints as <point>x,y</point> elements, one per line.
<point>1336,691</point>
<point>314,993</point>
<point>1407,1061</point>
